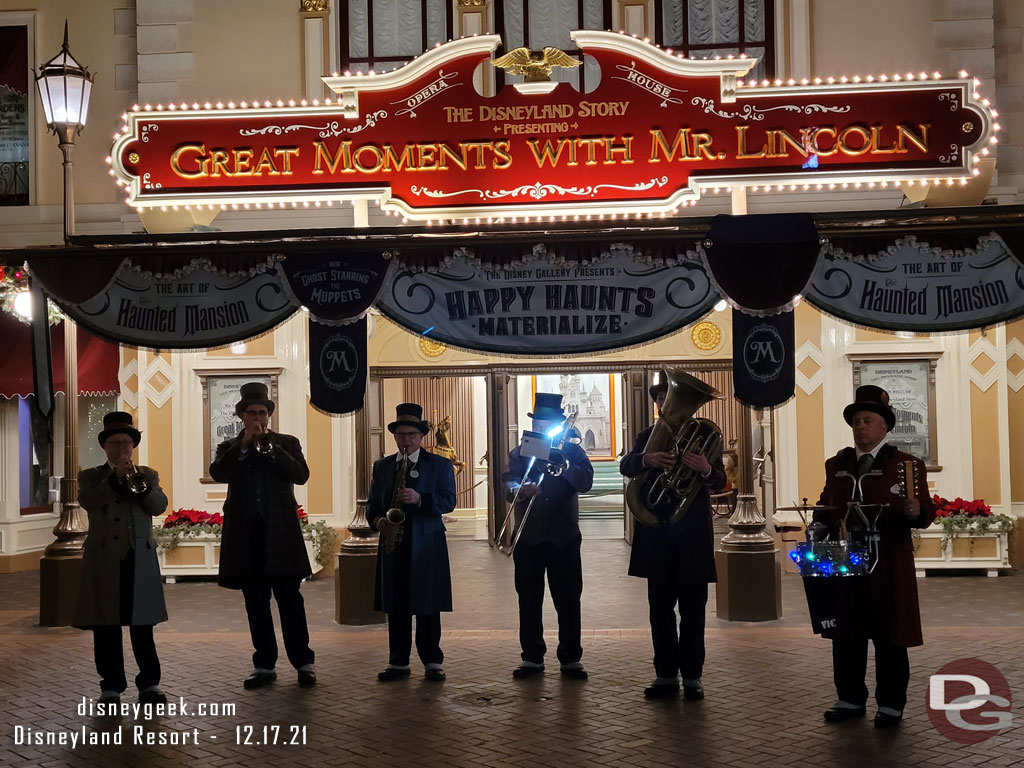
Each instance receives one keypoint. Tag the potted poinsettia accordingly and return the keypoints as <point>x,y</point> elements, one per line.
<point>961,517</point>
<point>201,526</point>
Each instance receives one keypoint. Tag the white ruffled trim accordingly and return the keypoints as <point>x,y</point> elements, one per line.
<point>551,254</point>
<point>200,263</point>
<point>924,247</point>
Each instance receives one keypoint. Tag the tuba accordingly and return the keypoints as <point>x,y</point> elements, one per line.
<point>660,498</point>
<point>396,515</point>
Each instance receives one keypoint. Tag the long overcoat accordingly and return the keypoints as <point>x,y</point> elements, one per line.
<point>262,536</point>
<point>683,553</point>
<point>887,609</point>
<point>430,587</point>
<point>119,521</point>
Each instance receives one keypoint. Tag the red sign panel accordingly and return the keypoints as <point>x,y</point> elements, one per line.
<point>656,130</point>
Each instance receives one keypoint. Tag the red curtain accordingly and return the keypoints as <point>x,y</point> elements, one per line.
<point>97,360</point>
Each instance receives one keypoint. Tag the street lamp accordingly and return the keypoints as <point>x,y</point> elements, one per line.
<point>64,88</point>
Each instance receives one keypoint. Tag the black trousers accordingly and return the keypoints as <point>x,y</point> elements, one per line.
<point>261,622</point>
<point>565,579</point>
<point>428,638</point>
<point>108,650</point>
<point>892,672</point>
<point>682,651</point>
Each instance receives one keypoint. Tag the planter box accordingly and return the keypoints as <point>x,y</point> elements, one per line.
<point>200,556</point>
<point>984,551</point>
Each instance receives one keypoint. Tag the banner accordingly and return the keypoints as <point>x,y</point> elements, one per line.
<point>538,307</point>
<point>651,135</point>
<point>784,246</point>
<point>196,309</point>
<point>335,289</point>
<point>337,366</point>
<point>912,288</point>
<point>42,365</point>
<point>763,369</point>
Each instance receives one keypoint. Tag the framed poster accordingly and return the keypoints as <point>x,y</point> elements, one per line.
<point>220,394</point>
<point>592,397</point>
<point>910,382</point>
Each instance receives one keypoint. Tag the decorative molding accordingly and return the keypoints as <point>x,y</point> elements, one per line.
<point>161,366</point>
<point>472,3</point>
<point>313,6</point>
<point>1014,381</point>
<point>808,351</point>
<point>128,397</point>
<point>431,349</point>
<point>706,336</point>
<point>983,380</point>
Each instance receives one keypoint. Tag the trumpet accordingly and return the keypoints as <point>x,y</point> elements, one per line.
<point>263,444</point>
<point>555,465</point>
<point>396,515</point>
<point>136,481</point>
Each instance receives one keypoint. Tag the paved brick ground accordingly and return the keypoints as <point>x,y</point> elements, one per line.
<point>767,684</point>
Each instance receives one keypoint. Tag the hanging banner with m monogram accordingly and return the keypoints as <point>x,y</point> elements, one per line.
<point>337,366</point>
<point>763,370</point>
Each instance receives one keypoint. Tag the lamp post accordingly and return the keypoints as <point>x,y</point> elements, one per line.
<point>64,89</point>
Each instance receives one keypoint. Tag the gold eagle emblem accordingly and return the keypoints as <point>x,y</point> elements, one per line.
<point>535,66</point>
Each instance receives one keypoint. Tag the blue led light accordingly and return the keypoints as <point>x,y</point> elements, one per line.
<point>855,559</point>
<point>809,556</point>
<point>843,569</point>
<point>794,556</point>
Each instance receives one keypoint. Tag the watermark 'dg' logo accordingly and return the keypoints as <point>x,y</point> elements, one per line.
<point>764,353</point>
<point>339,362</point>
<point>969,701</point>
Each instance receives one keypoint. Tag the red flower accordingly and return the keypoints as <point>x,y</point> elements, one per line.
<point>959,506</point>
<point>301,512</point>
<point>192,517</point>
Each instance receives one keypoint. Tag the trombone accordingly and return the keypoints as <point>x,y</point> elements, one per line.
<point>556,464</point>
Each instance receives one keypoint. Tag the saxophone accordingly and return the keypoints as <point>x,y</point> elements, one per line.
<point>396,515</point>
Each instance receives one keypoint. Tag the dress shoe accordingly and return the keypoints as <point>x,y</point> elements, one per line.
<point>885,720</point>
<point>693,691</point>
<point>836,714</point>
<point>152,696</point>
<point>527,670</point>
<point>259,679</point>
<point>661,691</point>
<point>388,674</point>
<point>307,677</point>
<point>576,672</point>
<point>434,674</point>
<point>109,697</point>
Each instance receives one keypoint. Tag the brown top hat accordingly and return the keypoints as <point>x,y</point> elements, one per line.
<point>409,415</point>
<point>874,399</point>
<point>254,393</point>
<point>119,423</point>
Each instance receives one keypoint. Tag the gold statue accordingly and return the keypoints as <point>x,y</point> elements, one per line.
<point>443,445</point>
<point>536,67</point>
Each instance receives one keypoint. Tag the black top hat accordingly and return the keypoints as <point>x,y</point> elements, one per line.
<point>547,407</point>
<point>254,393</point>
<point>119,423</point>
<point>409,415</point>
<point>874,399</point>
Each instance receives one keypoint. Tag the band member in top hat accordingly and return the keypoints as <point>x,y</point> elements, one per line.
<point>886,609</point>
<point>678,562</point>
<point>413,575</point>
<point>549,542</point>
<point>120,574</point>
<point>262,551</point>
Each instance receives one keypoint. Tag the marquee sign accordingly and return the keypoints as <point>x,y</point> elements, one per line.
<point>656,131</point>
<point>539,307</point>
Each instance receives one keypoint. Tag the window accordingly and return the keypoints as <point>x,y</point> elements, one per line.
<point>34,454</point>
<point>402,29</point>
<point>709,28</point>
<point>15,101</point>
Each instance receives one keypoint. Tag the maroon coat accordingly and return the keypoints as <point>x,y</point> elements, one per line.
<point>889,610</point>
